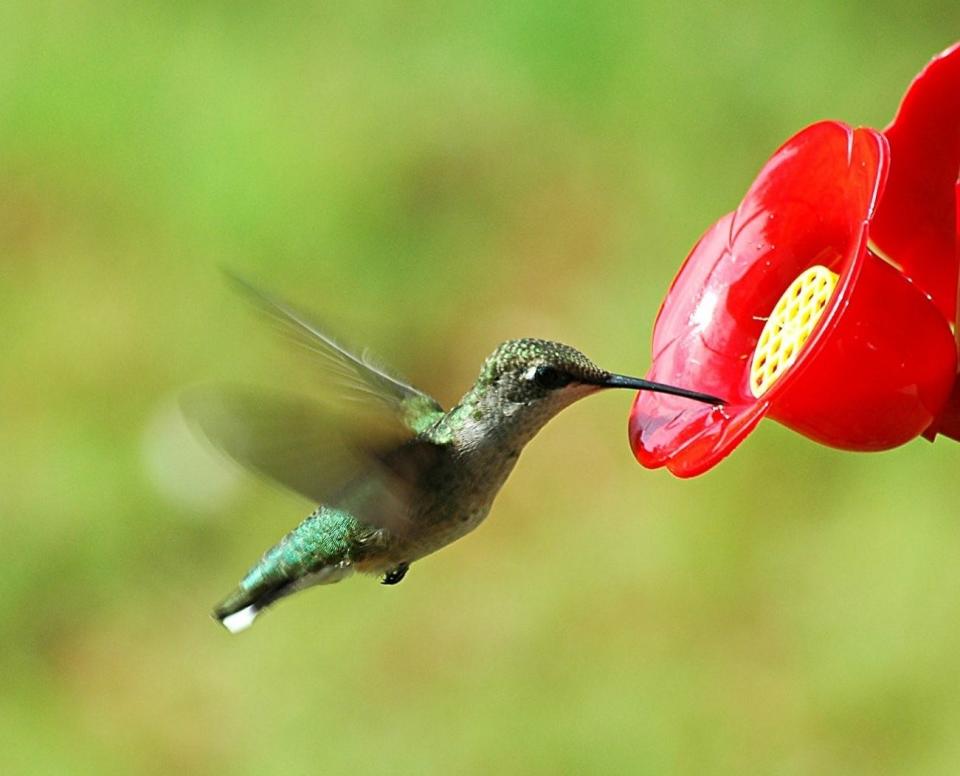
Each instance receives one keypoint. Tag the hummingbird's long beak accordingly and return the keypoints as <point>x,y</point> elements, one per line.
<point>638,384</point>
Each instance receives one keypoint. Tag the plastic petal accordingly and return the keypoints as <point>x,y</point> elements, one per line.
<point>916,223</point>
<point>808,206</point>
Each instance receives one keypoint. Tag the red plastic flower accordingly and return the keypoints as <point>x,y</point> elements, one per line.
<point>827,300</point>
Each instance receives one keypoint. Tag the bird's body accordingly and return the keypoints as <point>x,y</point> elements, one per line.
<point>430,481</point>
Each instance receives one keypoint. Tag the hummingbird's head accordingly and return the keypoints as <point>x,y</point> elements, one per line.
<point>532,379</point>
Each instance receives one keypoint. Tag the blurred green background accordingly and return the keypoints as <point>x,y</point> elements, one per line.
<point>434,178</point>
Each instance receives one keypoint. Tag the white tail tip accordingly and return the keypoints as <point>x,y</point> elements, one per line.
<point>240,621</point>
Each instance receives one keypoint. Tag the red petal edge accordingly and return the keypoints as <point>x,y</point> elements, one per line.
<point>916,222</point>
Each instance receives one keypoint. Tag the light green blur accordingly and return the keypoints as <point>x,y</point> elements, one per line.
<point>434,178</point>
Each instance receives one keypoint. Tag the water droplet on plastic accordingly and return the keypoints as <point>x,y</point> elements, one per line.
<point>718,413</point>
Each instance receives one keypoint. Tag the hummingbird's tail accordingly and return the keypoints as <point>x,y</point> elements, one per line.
<point>316,552</point>
<point>255,593</point>
<point>238,610</point>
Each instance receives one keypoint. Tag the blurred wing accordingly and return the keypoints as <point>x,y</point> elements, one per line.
<point>353,377</point>
<point>392,487</point>
<point>304,446</point>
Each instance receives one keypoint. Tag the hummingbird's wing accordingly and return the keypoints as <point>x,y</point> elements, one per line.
<point>370,463</point>
<point>354,378</point>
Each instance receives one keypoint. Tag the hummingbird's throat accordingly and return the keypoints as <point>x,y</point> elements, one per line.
<point>790,324</point>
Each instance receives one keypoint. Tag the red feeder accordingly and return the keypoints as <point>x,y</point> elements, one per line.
<point>783,307</point>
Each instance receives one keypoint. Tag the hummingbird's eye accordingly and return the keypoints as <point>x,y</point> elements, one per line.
<point>550,377</point>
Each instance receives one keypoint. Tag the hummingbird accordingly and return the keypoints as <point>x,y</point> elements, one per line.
<point>396,477</point>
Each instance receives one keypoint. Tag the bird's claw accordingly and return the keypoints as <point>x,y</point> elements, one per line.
<point>395,575</point>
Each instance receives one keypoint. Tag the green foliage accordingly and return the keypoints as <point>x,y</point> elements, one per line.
<point>435,178</point>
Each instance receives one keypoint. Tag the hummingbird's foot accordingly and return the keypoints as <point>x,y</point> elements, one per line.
<point>395,575</point>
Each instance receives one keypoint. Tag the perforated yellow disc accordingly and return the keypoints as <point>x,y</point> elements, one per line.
<point>789,325</point>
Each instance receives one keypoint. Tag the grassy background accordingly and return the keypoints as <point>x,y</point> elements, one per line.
<point>437,178</point>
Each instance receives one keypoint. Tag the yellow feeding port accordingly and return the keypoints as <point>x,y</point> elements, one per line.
<point>789,326</point>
